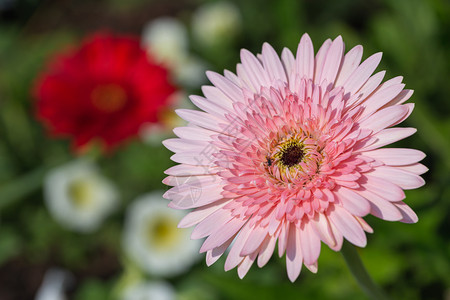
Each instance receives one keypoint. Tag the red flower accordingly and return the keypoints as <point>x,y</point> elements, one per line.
<point>104,91</point>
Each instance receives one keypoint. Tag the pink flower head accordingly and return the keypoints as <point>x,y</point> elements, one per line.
<point>288,150</point>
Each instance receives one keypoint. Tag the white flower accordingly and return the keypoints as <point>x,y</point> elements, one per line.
<point>216,22</point>
<point>154,290</point>
<point>166,38</point>
<point>153,240</point>
<point>53,285</point>
<point>78,197</point>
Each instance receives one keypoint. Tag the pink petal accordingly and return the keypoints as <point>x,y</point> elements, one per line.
<point>418,169</point>
<point>337,235</point>
<point>200,181</point>
<point>216,109</point>
<point>385,118</point>
<point>234,258</point>
<point>371,84</point>
<point>254,241</point>
<point>312,267</point>
<point>382,96</point>
<point>181,145</point>
<point>266,251</point>
<point>214,254</point>
<point>222,234</point>
<point>401,98</point>
<point>349,64</point>
<point>245,265</point>
<point>288,60</point>
<point>217,97</point>
<point>305,57</point>
<point>184,197</point>
<point>283,238</point>
<point>200,118</point>
<point>294,256</point>
<point>362,73</point>
<point>389,136</point>
<point>194,133</point>
<point>272,64</point>
<point>348,226</point>
<point>201,213</point>
<point>396,156</point>
<point>409,216</point>
<point>310,243</point>
<point>191,170</point>
<point>212,223</point>
<point>381,207</point>
<point>403,179</point>
<point>353,202</point>
<point>225,85</point>
<point>254,70</point>
<point>323,229</point>
<point>195,158</point>
<point>384,188</point>
<point>320,60</point>
<point>333,60</point>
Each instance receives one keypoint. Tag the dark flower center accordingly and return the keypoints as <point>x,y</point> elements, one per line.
<point>292,155</point>
<point>109,98</point>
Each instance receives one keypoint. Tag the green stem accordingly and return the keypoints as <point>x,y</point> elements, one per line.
<point>20,187</point>
<point>363,278</point>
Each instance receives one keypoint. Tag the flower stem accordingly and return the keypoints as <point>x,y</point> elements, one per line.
<point>363,278</point>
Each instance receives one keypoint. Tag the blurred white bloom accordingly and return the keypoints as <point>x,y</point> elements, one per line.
<point>154,290</point>
<point>167,39</point>
<point>191,72</point>
<point>153,240</point>
<point>216,22</point>
<point>53,285</point>
<point>78,197</point>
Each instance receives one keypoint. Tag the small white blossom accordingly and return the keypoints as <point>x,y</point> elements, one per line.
<point>216,22</point>
<point>153,240</point>
<point>53,285</point>
<point>153,290</point>
<point>78,196</point>
<point>167,39</point>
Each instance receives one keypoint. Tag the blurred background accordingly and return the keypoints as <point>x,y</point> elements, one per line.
<point>95,250</point>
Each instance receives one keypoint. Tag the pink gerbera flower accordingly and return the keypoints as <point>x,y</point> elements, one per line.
<point>288,150</point>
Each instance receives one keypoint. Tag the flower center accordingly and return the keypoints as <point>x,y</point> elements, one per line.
<point>109,98</point>
<point>81,193</point>
<point>289,153</point>
<point>162,232</point>
<point>292,155</point>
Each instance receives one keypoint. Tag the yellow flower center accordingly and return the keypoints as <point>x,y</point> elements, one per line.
<point>109,98</point>
<point>288,153</point>
<point>81,193</point>
<point>162,233</point>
